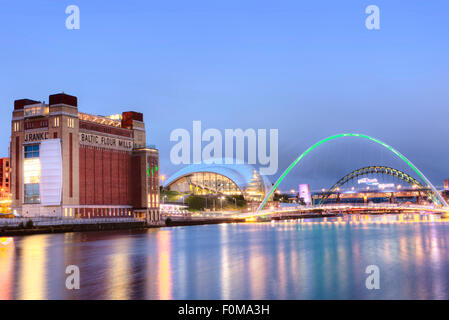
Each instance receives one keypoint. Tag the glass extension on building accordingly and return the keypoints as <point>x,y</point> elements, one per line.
<point>32,171</point>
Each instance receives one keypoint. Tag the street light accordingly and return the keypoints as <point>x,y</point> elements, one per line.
<point>221,198</point>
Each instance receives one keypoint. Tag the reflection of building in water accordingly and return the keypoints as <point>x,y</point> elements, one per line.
<point>220,179</point>
<point>70,164</point>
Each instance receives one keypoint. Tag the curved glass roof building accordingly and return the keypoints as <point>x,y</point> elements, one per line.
<point>220,179</point>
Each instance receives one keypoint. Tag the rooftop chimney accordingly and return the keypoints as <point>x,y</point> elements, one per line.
<point>19,104</point>
<point>62,98</point>
<point>129,116</point>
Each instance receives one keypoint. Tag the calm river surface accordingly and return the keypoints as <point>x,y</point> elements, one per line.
<point>304,259</point>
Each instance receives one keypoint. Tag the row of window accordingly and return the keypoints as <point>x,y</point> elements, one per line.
<point>71,123</point>
<point>36,124</point>
<point>33,111</point>
<point>96,212</point>
<point>44,123</point>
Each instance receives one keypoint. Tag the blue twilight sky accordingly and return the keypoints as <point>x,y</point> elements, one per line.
<point>308,68</point>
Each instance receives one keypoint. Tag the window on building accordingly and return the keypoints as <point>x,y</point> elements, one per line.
<point>33,111</point>
<point>56,122</point>
<point>16,126</point>
<point>71,123</point>
<point>32,151</point>
<point>31,193</point>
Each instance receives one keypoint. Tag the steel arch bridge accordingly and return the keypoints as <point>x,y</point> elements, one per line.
<point>375,170</point>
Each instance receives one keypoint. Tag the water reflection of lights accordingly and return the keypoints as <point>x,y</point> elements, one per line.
<point>257,265</point>
<point>6,242</point>
<point>377,220</point>
<point>164,265</point>
<point>33,273</point>
<point>6,268</point>
<point>119,271</point>
<point>225,265</point>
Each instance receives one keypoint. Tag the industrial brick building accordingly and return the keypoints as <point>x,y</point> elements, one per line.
<point>4,176</point>
<point>69,164</point>
<point>5,180</point>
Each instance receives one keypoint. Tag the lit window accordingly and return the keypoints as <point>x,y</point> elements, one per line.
<point>32,170</point>
<point>33,111</point>
<point>71,123</point>
<point>16,126</point>
<point>56,122</point>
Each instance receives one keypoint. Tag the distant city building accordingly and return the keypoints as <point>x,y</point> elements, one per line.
<point>4,175</point>
<point>446,184</point>
<point>69,164</point>
<point>5,181</point>
<point>220,179</point>
<point>304,193</point>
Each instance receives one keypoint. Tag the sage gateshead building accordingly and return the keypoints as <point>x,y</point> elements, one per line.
<point>69,164</point>
<point>220,179</point>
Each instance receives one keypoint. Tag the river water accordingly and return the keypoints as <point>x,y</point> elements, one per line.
<point>303,259</point>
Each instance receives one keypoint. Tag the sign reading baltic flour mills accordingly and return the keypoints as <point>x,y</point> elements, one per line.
<point>103,141</point>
